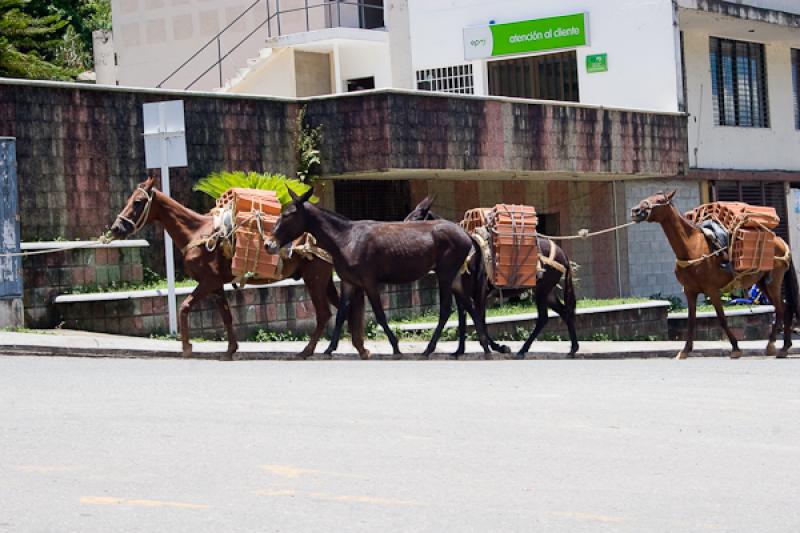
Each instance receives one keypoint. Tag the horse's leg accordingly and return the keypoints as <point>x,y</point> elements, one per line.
<point>773,292</point>
<point>200,292</point>
<point>462,329</point>
<point>716,301</point>
<point>463,303</point>
<point>374,296</point>
<point>341,314</point>
<point>541,320</point>
<point>225,310</point>
<point>355,319</point>
<point>691,301</point>
<point>317,276</point>
<point>480,307</point>
<point>445,304</point>
<point>568,316</point>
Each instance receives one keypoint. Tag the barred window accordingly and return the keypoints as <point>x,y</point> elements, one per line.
<point>796,83</point>
<point>738,83</point>
<point>455,79</point>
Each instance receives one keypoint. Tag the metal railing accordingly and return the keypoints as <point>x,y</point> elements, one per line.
<point>370,16</point>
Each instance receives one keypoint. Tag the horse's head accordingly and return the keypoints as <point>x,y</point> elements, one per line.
<point>292,223</point>
<point>653,208</point>
<point>422,211</point>
<point>136,212</point>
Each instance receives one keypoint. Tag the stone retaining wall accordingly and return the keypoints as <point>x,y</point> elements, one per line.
<point>747,324</point>
<point>285,306</point>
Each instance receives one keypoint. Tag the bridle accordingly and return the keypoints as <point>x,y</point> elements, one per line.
<point>647,204</point>
<point>139,224</point>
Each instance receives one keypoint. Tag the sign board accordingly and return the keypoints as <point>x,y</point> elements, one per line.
<point>597,63</point>
<point>567,31</point>
<point>165,147</point>
<point>164,120</point>
<point>10,267</point>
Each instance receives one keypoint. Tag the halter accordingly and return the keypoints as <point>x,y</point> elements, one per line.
<point>649,206</point>
<point>139,224</point>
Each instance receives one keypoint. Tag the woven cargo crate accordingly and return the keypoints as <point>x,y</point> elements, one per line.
<point>733,214</point>
<point>474,218</point>
<point>514,243</point>
<point>251,259</point>
<point>753,249</point>
<point>246,200</point>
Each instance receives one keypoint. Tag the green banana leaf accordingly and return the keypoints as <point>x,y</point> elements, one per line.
<point>218,182</point>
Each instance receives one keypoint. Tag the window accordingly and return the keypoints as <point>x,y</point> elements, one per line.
<point>385,200</point>
<point>455,79</point>
<point>796,83</point>
<point>547,77</point>
<point>360,84</point>
<point>738,83</point>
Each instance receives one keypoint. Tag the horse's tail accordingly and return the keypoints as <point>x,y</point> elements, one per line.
<point>792,293</point>
<point>333,294</point>
<point>569,289</point>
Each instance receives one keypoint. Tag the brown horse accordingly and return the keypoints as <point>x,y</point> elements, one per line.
<point>212,270</point>
<point>703,274</point>
<point>479,287</point>
<point>367,253</point>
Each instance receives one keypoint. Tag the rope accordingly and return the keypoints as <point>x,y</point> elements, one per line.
<point>585,233</point>
<point>98,242</point>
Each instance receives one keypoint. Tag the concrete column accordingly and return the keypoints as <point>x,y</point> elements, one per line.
<point>105,67</point>
<point>399,26</point>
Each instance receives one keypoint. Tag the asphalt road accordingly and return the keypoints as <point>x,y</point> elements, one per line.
<point>97,445</point>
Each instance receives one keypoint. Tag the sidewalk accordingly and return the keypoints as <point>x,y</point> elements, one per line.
<point>68,343</point>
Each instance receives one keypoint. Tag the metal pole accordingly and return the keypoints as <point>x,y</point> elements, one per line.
<point>219,61</point>
<point>278,14</point>
<point>616,238</point>
<point>269,22</point>
<point>338,13</point>
<point>308,27</point>
<point>168,248</point>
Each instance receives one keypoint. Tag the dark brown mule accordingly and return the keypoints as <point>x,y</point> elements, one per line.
<point>367,253</point>
<point>706,276</point>
<point>478,286</point>
<point>212,269</point>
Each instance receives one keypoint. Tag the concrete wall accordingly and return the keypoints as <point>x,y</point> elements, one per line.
<point>275,76</point>
<point>638,37</point>
<point>154,37</point>
<point>650,260</point>
<point>313,73</point>
<point>730,147</point>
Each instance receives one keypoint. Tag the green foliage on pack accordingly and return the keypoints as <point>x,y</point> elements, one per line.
<point>218,182</point>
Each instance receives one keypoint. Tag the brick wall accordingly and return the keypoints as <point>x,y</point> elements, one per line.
<point>748,326</point>
<point>48,275</point>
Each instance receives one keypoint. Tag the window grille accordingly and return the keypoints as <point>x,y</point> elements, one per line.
<point>546,77</point>
<point>386,200</point>
<point>796,84</point>
<point>738,83</point>
<point>456,79</point>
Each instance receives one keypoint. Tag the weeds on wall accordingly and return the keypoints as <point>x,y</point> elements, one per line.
<point>307,142</point>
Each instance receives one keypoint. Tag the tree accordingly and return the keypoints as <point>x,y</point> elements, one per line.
<point>27,43</point>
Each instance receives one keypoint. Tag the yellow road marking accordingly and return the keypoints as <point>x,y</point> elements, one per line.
<point>323,496</point>
<point>108,500</point>
<point>589,517</point>
<point>292,472</point>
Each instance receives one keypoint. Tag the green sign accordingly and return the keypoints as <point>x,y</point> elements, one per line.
<point>597,63</point>
<point>566,31</point>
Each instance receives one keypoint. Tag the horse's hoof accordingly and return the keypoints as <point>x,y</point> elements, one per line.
<point>302,356</point>
<point>682,355</point>
<point>520,356</point>
<point>226,357</point>
<point>771,349</point>
<point>187,352</point>
<point>736,354</point>
<point>365,355</point>
<point>782,354</point>
<point>504,349</point>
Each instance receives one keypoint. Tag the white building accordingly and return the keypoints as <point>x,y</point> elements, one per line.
<point>732,66</point>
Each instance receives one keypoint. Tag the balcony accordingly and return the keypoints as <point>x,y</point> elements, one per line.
<point>286,17</point>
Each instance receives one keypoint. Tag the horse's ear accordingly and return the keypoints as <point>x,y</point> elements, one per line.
<point>306,196</point>
<point>292,195</point>
<point>149,182</point>
<point>671,194</point>
<point>427,203</point>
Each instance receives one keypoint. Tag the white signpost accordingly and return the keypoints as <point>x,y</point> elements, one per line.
<point>165,147</point>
